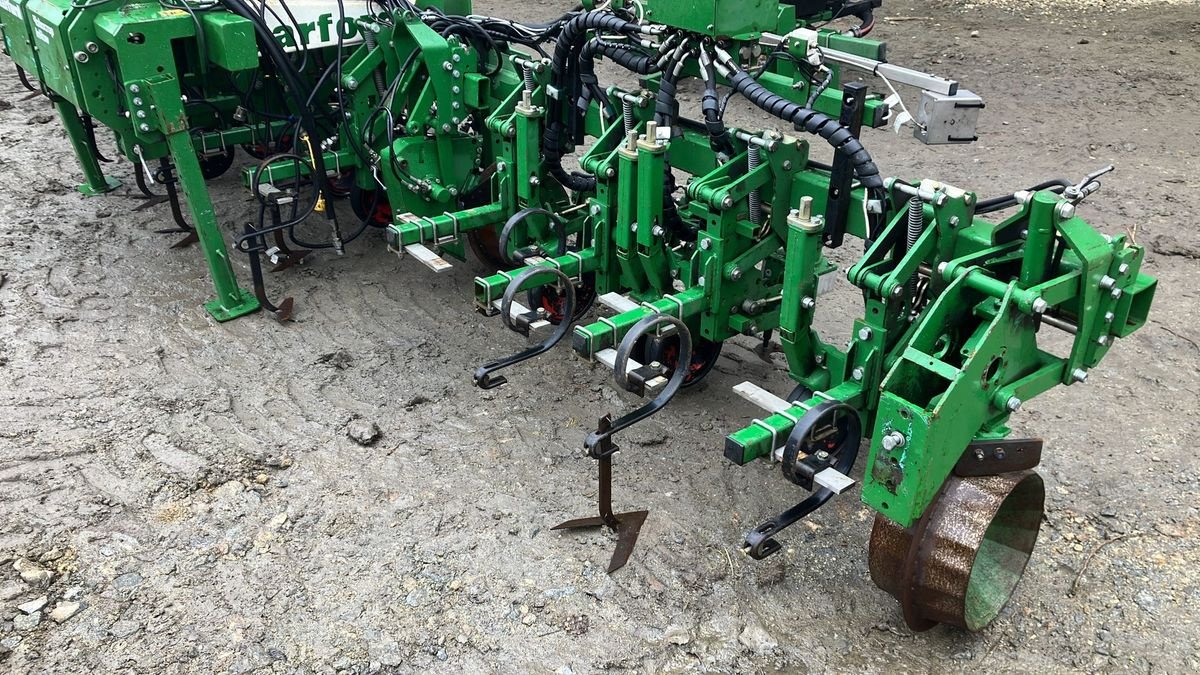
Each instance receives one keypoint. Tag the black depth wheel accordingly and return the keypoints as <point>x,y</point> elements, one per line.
<point>825,433</point>
<point>704,356</point>
<point>215,165</point>
<point>549,299</point>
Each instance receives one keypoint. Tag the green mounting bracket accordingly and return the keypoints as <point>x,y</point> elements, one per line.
<point>248,304</point>
<point>89,190</point>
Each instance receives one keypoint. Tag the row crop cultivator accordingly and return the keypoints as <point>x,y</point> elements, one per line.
<point>450,130</point>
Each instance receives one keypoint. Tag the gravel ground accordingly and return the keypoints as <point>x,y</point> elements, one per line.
<point>178,496</point>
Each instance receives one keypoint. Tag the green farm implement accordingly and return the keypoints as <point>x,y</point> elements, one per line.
<point>647,231</point>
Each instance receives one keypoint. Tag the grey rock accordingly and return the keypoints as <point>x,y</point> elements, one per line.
<point>556,593</point>
<point>1146,600</point>
<point>757,639</point>
<point>363,432</point>
<point>27,622</point>
<point>124,628</point>
<point>33,573</point>
<point>11,590</point>
<point>73,593</point>
<point>33,605</point>
<point>127,581</point>
<point>416,598</point>
<point>677,635</point>
<point>65,610</point>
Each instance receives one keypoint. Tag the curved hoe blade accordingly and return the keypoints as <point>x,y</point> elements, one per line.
<point>283,313</point>
<point>627,536</point>
<point>190,239</point>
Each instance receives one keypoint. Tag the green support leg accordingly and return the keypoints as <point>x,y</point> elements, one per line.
<point>97,183</point>
<point>232,301</point>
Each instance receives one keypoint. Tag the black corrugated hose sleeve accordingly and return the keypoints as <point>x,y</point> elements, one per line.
<point>719,139</point>
<point>819,124</point>
<point>622,55</point>
<point>564,65</point>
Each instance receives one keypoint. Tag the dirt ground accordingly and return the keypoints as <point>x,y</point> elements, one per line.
<point>193,485</point>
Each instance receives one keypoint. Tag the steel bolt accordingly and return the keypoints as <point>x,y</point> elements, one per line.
<point>893,440</point>
<point>898,292</point>
<point>141,114</point>
<point>1107,282</point>
<point>727,203</point>
<point>1014,404</point>
<point>706,244</point>
<point>501,167</point>
<point>1116,294</point>
<point>137,101</point>
<point>1065,211</point>
<point>857,374</point>
<point>1123,269</point>
<point>941,270</point>
<point>448,66</point>
<point>92,47</point>
<point>1102,340</point>
<point>1109,316</point>
<point>144,127</point>
<point>133,88</point>
<point>1079,375</point>
<point>1040,306</point>
<point>534,180</point>
<point>81,57</point>
<point>807,302</point>
<point>735,274</point>
<point>864,334</point>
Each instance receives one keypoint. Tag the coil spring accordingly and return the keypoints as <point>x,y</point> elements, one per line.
<point>370,39</point>
<point>627,115</point>
<point>754,160</point>
<point>530,80</point>
<point>916,224</point>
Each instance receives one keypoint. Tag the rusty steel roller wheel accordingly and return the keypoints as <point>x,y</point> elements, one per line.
<point>960,563</point>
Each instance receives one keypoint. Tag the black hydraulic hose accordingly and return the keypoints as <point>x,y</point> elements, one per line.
<point>867,16</point>
<point>994,204</point>
<point>565,76</point>
<point>623,55</point>
<point>819,124</point>
<point>719,138</point>
<point>287,70</point>
<point>666,102</point>
<point>666,109</point>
